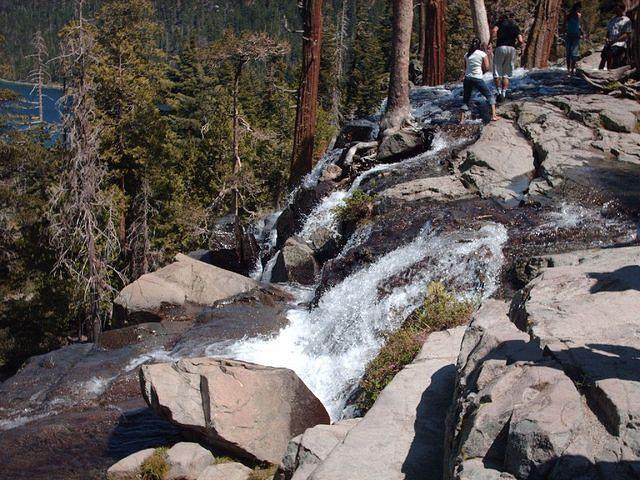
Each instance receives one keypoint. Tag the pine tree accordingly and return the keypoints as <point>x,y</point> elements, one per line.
<point>130,78</point>
<point>367,73</point>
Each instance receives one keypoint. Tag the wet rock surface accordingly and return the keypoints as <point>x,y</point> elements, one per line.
<point>249,410</point>
<point>295,263</point>
<point>231,247</point>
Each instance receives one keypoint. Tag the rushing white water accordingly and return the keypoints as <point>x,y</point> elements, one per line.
<point>330,345</point>
<point>323,216</point>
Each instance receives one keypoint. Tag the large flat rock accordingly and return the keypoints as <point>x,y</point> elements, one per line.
<point>401,437</point>
<point>178,291</point>
<point>443,188</point>
<point>587,315</point>
<point>500,164</point>
<point>249,410</point>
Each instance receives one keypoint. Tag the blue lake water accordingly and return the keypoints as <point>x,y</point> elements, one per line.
<point>27,106</point>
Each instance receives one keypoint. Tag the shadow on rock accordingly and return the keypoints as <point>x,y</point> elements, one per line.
<point>140,429</point>
<point>427,449</point>
<point>621,280</point>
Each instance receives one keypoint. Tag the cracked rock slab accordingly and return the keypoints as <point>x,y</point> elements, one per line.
<point>500,164</point>
<point>305,452</point>
<point>249,410</point>
<point>587,315</point>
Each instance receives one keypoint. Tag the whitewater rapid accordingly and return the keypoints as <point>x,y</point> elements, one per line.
<point>330,345</point>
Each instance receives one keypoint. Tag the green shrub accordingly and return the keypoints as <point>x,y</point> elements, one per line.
<point>155,467</point>
<point>439,311</point>
<point>356,208</point>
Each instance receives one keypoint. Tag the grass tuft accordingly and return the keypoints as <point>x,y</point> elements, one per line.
<point>439,311</point>
<point>155,467</point>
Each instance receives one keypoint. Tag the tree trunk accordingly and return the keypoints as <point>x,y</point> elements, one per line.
<point>237,163</point>
<point>306,116</point>
<point>398,110</point>
<point>480,21</point>
<point>542,34</point>
<point>40,82</point>
<point>435,42</point>
<point>422,32</point>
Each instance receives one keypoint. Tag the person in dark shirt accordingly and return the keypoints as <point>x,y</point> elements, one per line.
<point>574,32</point>
<point>507,36</point>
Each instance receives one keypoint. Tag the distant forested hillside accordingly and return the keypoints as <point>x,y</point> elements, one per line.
<point>204,19</point>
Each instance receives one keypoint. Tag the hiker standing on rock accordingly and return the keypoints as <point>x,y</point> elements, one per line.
<point>476,63</point>
<point>507,36</point>
<point>573,35</point>
<point>619,31</point>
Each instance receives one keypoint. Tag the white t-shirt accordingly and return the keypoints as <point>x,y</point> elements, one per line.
<point>474,64</point>
<point>616,27</point>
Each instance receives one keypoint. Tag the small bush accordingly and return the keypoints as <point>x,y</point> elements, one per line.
<point>155,467</point>
<point>439,311</point>
<point>263,473</point>
<point>356,208</point>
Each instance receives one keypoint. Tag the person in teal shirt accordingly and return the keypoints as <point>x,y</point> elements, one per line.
<point>574,34</point>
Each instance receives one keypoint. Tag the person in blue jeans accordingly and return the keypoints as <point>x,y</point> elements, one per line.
<point>476,63</point>
<point>573,36</point>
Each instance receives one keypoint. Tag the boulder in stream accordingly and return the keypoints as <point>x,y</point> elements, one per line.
<point>177,292</point>
<point>249,410</point>
<point>296,263</point>
<point>403,144</point>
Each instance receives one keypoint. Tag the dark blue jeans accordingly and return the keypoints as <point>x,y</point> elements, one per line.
<point>470,84</point>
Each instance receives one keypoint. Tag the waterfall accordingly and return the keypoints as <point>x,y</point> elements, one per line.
<point>330,345</point>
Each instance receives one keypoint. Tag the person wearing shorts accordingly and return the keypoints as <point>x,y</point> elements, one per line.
<point>476,63</point>
<point>507,36</point>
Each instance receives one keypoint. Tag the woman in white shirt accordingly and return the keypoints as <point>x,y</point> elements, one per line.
<point>476,62</point>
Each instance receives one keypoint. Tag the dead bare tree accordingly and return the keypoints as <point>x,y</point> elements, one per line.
<point>542,34</point>
<point>253,47</point>
<point>338,65</point>
<point>307,111</point>
<point>142,258</point>
<point>435,42</point>
<point>398,111</point>
<point>81,213</point>
<point>39,76</point>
